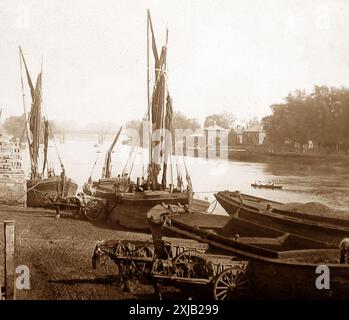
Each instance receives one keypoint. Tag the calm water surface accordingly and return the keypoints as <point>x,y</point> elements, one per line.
<point>323,183</point>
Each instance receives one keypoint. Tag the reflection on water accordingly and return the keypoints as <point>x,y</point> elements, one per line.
<point>302,183</point>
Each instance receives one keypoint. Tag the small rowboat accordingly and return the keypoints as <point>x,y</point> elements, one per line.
<point>266,186</point>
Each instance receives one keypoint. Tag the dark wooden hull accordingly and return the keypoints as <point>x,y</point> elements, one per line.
<point>129,209</point>
<point>39,190</point>
<point>276,271</point>
<point>318,228</point>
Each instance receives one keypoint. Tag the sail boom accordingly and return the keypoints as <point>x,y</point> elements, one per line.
<point>107,164</point>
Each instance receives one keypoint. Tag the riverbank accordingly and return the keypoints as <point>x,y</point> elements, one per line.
<point>255,155</point>
<point>58,253</point>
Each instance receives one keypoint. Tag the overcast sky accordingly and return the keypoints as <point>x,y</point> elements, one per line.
<point>239,56</point>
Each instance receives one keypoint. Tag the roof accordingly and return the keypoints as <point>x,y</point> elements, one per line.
<point>196,135</point>
<point>215,127</point>
<point>255,128</point>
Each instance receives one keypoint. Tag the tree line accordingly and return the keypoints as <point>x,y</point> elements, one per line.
<point>320,117</point>
<point>15,126</point>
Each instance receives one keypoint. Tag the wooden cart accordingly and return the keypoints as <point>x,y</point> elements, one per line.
<point>179,262</point>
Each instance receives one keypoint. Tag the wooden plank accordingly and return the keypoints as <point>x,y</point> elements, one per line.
<point>9,230</point>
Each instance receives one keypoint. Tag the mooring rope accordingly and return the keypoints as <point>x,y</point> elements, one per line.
<point>30,190</point>
<point>215,205</point>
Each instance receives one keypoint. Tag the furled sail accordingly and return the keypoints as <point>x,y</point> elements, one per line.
<point>160,115</point>
<point>35,126</point>
<point>34,122</point>
<point>157,111</point>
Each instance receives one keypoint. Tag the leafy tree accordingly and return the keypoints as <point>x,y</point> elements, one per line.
<point>134,124</point>
<point>224,119</point>
<point>15,126</point>
<point>321,117</point>
<point>181,121</point>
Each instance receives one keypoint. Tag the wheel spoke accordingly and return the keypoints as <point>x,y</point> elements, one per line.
<point>221,293</point>
<point>225,295</point>
<point>233,277</point>
<point>225,283</point>
<point>226,278</point>
<point>221,288</point>
<point>239,277</point>
<point>231,284</point>
<point>242,283</point>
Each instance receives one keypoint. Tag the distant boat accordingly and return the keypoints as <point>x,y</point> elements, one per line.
<point>42,186</point>
<point>269,185</point>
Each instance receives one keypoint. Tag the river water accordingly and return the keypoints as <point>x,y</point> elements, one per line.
<point>324,183</point>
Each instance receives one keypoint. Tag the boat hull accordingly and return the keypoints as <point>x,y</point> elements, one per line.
<point>131,209</point>
<point>40,190</point>
<point>320,229</point>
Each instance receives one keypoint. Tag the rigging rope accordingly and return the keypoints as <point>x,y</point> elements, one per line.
<point>54,141</point>
<point>129,156</point>
<point>31,189</point>
<point>214,208</point>
<point>134,158</point>
<point>93,167</point>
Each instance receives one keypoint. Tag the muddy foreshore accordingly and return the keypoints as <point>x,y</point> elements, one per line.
<point>58,253</point>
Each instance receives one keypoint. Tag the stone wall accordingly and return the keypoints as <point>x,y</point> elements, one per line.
<point>12,178</point>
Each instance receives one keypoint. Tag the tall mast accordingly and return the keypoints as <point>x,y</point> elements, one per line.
<point>149,104</point>
<point>148,75</point>
<point>164,115</point>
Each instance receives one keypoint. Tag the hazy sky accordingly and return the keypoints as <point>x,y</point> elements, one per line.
<point>240,56</point>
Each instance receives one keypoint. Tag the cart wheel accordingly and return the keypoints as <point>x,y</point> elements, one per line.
<point>189,264</point>
<point>131,268</point>
<point>231,284</point>
<point>186,256</point>
<point>94,210</point>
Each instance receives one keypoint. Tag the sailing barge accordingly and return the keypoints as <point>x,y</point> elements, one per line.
<point>270,213</point>
<point>42,187</point>
<point>128,202</point>
<point>280,265</point>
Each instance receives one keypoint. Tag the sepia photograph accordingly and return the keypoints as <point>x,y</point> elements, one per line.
<point>174,150</point>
